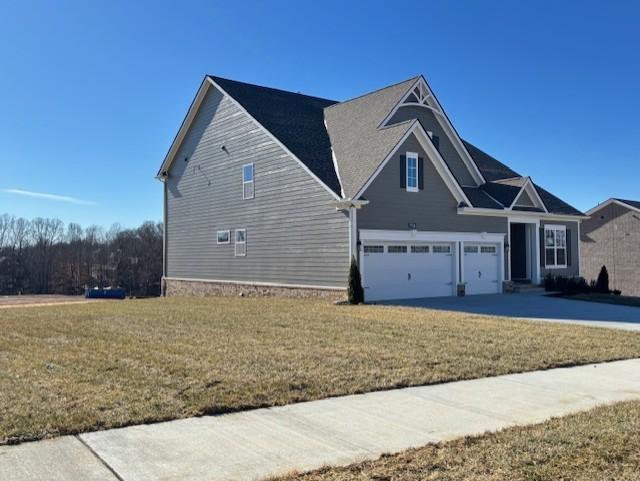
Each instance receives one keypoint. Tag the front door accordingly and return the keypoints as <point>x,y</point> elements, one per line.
<point>518,252</point>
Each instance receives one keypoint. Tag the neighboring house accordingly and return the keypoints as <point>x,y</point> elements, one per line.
<point>611,238</point>
<point>279,190</point>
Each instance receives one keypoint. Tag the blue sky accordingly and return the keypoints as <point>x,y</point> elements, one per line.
<point>92,92</point>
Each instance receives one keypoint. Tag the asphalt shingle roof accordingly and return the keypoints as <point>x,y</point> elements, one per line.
<point>311,126</point>
<point>503,193</point>
<point>491,168</point>
<point>632,203</point>
<point>554,204</point>
<point>295,119</point>
<point>359,145</point>
<point>480,198</point>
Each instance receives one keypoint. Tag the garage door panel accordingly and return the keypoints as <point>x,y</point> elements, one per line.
<point>481,268</point>
<point>408,271</point>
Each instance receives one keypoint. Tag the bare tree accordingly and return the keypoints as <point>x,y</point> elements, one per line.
<point>42,256</point>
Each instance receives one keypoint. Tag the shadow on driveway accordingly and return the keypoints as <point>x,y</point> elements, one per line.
<point>535,307</point>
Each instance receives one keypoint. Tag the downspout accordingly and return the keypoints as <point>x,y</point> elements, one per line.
<point>164,241</point>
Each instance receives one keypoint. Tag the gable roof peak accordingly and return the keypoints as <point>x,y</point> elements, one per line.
<point>373,92</point>
<point>217,79</point>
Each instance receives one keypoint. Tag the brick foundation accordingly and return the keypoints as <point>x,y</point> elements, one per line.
<point>179,287</point>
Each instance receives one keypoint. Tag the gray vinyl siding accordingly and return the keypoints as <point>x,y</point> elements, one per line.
<point>611,238</point>
<point>574,268</point>
<point>433,209</point>
<point>293,233</point>
<point>428,120</point>
<point>524,200</point>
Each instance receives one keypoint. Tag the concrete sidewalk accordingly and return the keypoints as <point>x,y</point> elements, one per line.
<point>255,444</point>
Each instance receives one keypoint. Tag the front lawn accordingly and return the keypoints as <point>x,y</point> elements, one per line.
<point>601,444</point>
<point>68,369</point>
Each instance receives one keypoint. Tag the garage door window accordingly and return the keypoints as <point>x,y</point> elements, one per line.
<point>441,249</point>
<point>488,249</point>
<point>470,249</point>
<point>373,249</point>
<point>419,249</point>
<point>397,249</point>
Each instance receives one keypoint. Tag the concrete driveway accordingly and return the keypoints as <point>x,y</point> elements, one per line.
<point>535,306</point>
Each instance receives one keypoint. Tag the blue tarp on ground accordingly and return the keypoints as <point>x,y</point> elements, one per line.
<point>106,293</point>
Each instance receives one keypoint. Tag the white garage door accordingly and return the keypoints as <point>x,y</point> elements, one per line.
<point>405,271</point>
<point>481,267</point>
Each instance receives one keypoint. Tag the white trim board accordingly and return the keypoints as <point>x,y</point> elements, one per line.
<point>433,155</point>
<point>193,109</point>
<point>523,214</point>
<point>379,235</point>
<point>609,202</point>
<point>428,97</point>
<point>531,190</point>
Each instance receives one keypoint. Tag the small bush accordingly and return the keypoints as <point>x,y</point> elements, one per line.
<point>567,285</point>
<point>550,284</point>
<point>617,292</point>
<point>355,292</point>
<point>561,284</point>
<point>602,284</point>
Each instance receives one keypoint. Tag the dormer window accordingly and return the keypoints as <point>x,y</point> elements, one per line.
<point>412,172</point>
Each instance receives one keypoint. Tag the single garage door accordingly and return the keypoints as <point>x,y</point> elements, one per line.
<point>405,271</point>
<point>481,268</point>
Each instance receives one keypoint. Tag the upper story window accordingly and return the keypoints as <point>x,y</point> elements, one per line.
<point>412,172</point>
<point>248,190</point>
<point>555,246</point>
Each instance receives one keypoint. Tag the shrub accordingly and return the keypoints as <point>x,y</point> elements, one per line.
<point>566,285</point>
<point>561,284</point>
<point>602,284</point>
<point>550,283</point>
<point>355,292</point>
<point>617,292</point>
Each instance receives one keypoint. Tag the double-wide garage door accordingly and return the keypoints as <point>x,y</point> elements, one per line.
<point>405,271</point>
<point>414,270</point>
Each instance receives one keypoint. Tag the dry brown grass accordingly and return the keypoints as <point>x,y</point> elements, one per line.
<point>68,369</point>
<point>601,444</point>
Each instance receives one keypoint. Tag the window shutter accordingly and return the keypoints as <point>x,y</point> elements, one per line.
<point>420,173</point>
<point>541,246</point>
<point>436,142</point>
<point>403,171</point>
<point>568,241</point>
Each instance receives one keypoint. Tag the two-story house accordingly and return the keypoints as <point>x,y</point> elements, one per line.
<point>268,190</point>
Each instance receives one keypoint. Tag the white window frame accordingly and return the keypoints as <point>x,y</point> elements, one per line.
<point>228,232</point>
<point>252,182</point>
<point>412,155</point>
<point>237,243</point>
<point>555,228</point>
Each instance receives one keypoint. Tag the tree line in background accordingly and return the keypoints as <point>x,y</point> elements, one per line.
<point>42,256</point>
